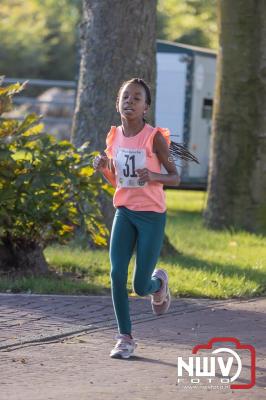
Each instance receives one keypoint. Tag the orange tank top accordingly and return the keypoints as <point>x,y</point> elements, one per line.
<point>129,154</point>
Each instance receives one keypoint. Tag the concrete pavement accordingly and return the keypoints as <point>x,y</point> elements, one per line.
<point>57,347</point>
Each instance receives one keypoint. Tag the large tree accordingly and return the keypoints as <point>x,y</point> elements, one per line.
<point>237,176</point>
<point>118,42</point>
<point>37,40</point>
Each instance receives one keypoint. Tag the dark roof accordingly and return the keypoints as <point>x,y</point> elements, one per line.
<point>165,46</point>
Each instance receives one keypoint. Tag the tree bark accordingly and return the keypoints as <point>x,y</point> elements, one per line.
<point>237,173</point>
<point>22,257</point>
<point>118,42</point>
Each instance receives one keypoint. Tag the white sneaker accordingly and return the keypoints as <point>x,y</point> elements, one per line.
<point>161,300</point>
<point>124,347</point>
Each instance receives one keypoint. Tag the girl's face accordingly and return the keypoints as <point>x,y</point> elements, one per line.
<point>132,102</point>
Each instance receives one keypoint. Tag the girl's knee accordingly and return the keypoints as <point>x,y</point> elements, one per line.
<point>117,278</point>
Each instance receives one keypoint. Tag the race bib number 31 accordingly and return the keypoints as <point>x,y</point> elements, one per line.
<point>127,162</point>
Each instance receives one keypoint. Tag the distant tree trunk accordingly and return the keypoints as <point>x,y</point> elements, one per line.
<point>118,42</point>
<point>237,177</point>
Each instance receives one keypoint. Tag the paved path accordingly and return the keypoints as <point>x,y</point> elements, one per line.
<point>57,347</point>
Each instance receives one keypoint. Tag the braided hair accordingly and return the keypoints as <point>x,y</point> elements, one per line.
<point>177,150</point>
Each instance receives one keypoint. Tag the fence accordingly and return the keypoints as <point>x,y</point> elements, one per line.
<point>34,101</point>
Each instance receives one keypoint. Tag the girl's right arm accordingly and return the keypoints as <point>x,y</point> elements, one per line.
<point>106,167</point>
<point>109,174</point>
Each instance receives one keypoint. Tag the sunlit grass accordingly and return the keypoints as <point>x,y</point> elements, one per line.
<point>214,264</point>
<point>217,264</point>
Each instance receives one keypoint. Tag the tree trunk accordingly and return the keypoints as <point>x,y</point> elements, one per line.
<point>237,177</point>
<point>118,42</point>
<point>22,257</point>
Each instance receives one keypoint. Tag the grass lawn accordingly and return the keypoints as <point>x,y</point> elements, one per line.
<point>214,264</point>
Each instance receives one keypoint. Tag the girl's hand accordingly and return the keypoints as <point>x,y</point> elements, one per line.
<point>145,175</point>
<point>100,162</point>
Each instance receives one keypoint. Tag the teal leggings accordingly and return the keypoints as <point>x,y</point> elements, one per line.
<point>145,229</point>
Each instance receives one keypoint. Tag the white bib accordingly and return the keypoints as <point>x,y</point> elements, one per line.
<point>127,162</point>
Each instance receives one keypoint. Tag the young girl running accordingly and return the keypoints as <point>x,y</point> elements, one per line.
<point>132,163</point>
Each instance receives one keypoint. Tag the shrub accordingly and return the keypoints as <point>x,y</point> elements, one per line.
<point>48,189</point>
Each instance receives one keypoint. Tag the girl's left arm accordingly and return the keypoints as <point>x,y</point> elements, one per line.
<point>161,148</point>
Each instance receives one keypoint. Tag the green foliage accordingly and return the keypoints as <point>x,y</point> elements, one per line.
<point>47,188</point>
<point>188,21</point>
<point>38,36</point>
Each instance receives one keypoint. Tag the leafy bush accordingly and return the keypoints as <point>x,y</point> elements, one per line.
<point>47,188</point>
